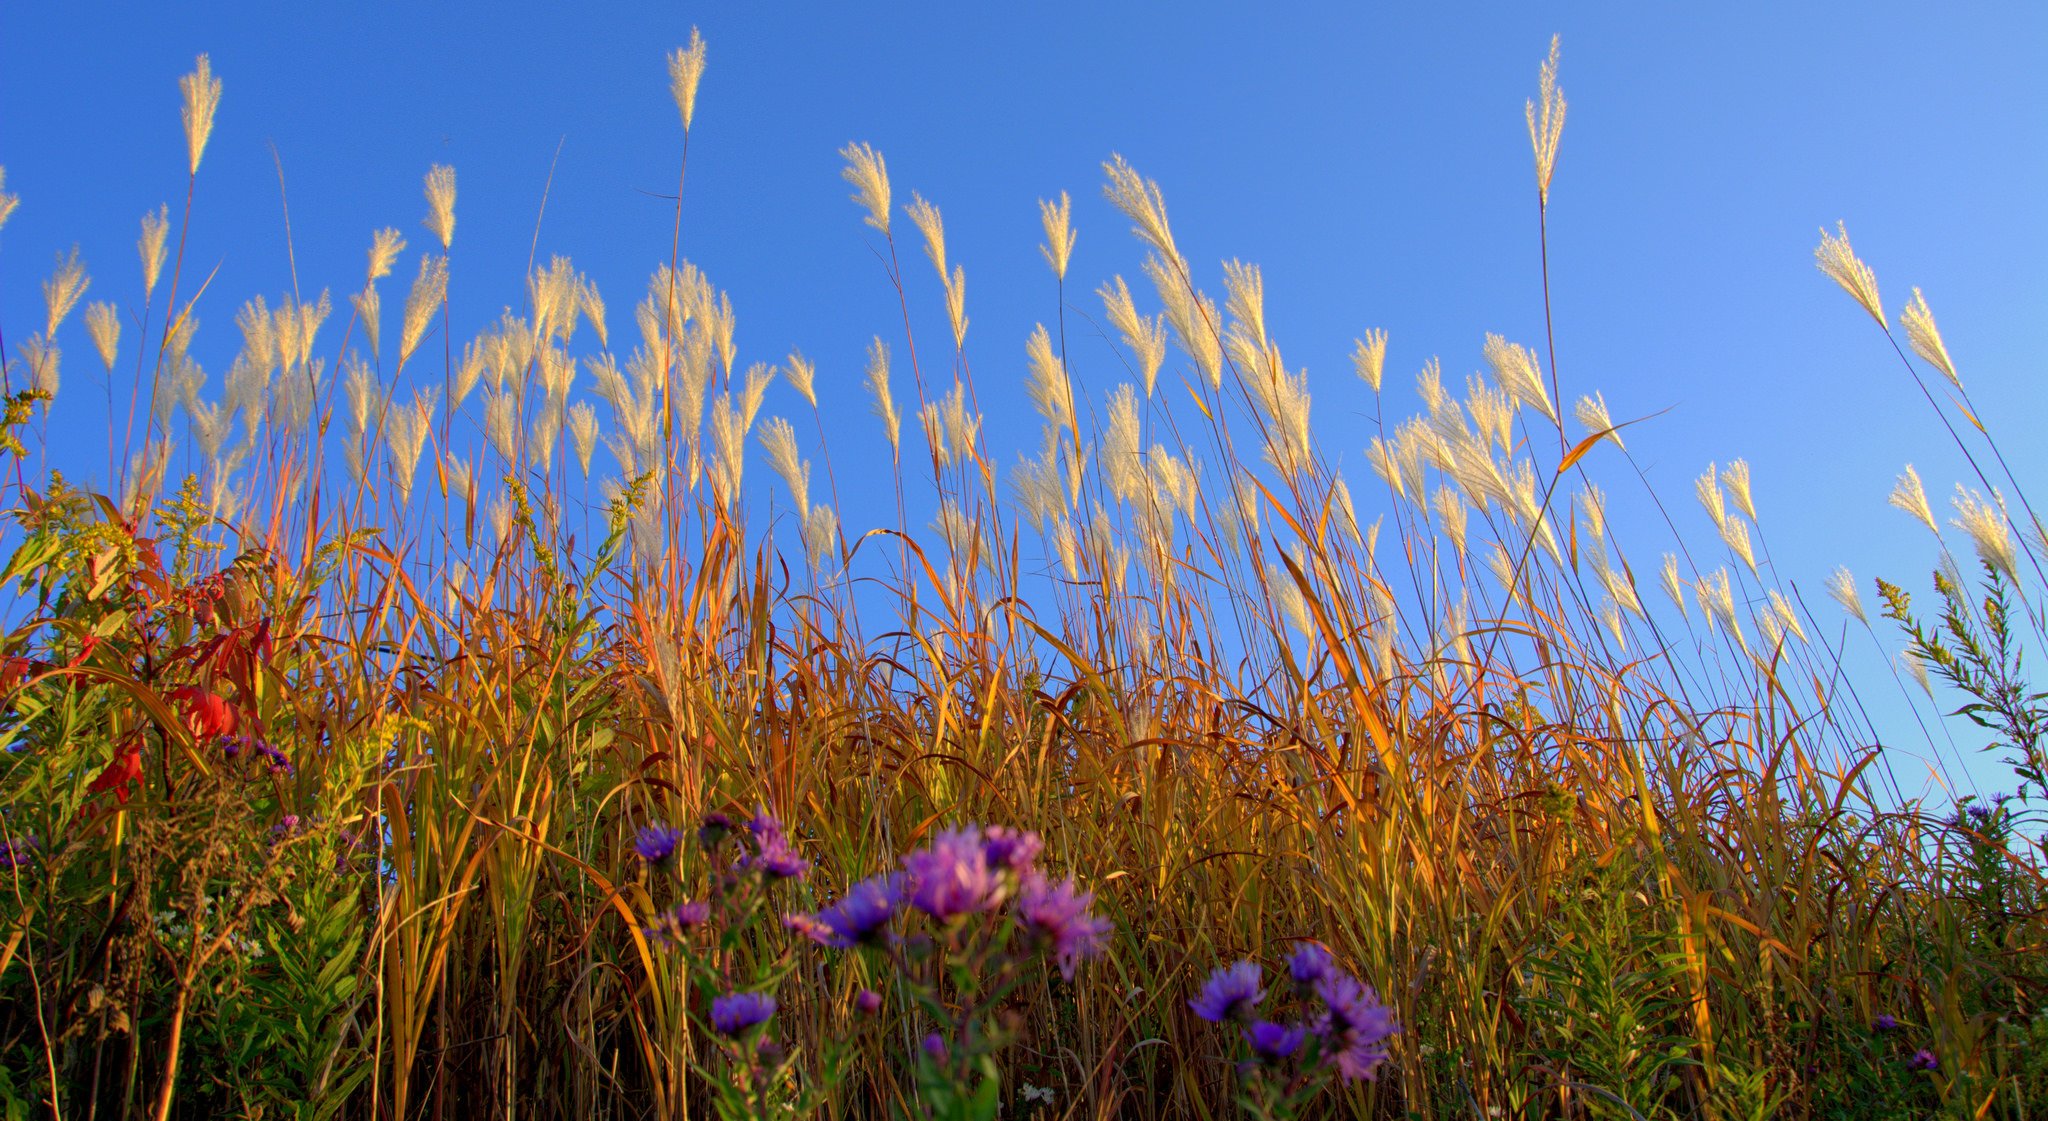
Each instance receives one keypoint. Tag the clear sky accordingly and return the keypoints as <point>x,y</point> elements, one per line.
<point>1373,161</point>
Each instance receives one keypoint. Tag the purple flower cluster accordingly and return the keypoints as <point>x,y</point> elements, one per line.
<point>861,917</point>
<point>965,872</point>
<point>773,855</point>
<point>1923,1059</point>
<point>17,852</point>
<point>1350,1031</point>
<point>736,1013</point>
<point>954,877</point>
<point>1058,916</point>
<point>657,844</point>
<point>671,925</point>
<point>273,760</point>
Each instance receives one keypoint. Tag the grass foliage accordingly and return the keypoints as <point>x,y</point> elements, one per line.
<point>327,746</point>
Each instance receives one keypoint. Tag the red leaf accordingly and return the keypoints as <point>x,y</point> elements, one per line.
<point>124,771</point>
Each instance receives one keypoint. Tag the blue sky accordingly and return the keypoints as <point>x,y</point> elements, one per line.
<point>1372,160</point>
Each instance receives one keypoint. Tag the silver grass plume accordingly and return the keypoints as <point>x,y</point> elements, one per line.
<point>1369,357</point>
<point>406,429</point>
<point>103,324</point>
<point>1841,586</point>
<point>1908,495</point>
<point>428,291</point>
<point>1546,122</point>
<point>201,92</point>
<point>1925,337</point>
<point>1736,479</point>
<point>62,291</point>
<point>1989,531</point>
<point>685,70</point>
<point>1840,263</point>
<point>1145,336</point>
<point>1141,202</point>
<point>151,247</point>
<point>778,439</point>
<point>1050,390</point>
<point>1515,367</point>
<point>1668,577</point>
<point>802,375</point>
<point>1193,316</point>
<point>1592,415</point>
<point>869,176</point>
<point>440,191</point>
<point>582,423</point>
<point>1058,220</point>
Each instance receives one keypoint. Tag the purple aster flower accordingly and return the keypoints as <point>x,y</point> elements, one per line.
<point>935,1046</point>
<point>1272,1042</point>
<point>657,844</point>
<point>868,1001</point>
<point>1355,1026</point>
<point>735,1013</point>
<point>953,876</point>
<point>1231,993</point>
<point>231,746</point>
<point>1979,812</point>
<point>1885,1021</point>
<point>1923,1059</point>
<point>773,853</point>
<point>1058,915</point>
<point>1009,849</point>
<point>672,924</point>
<point>715,829</point>
<point>1309,964</point>
<point>860,917</point>
<point>272,758</point>
<point>18,852</point>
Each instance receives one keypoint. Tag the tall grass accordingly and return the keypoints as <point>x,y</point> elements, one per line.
<point>1606,826</point>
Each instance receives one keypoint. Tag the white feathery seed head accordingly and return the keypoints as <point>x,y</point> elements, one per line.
<point>1841,587</point>
<point>1667,575</point>
<point>1840,263</point>
<point>152,247</point>
<point>778,439</point>
<point>685,70</point>
<point>440,192</point>
<point>1145,336</point>
<point>1708,488</point>
<point>926,218</point>
<point>1141,202</point>
<point>1925,337</point>
<point>1048,384</point>
<point>1592,415</point>
<point>428,291</point>
<point>1058,220</point>
<point>802,375</point>
<point>103,324</point>
<point>870,179</point>
<point>1736,478</point>
<point>62,291</point>
<point>1908,495</point>
<point>1988,528</point>
<point>1369,357</point>
<point>1546,122</point>
<point>581,420</point>
<point>201,92</point>
<point>1515,367</point>
<point>885,403</point>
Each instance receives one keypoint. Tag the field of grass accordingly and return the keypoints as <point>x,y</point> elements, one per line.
<point>359,771</point>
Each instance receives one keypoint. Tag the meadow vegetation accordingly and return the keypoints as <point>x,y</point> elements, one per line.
<point>434,730</point>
